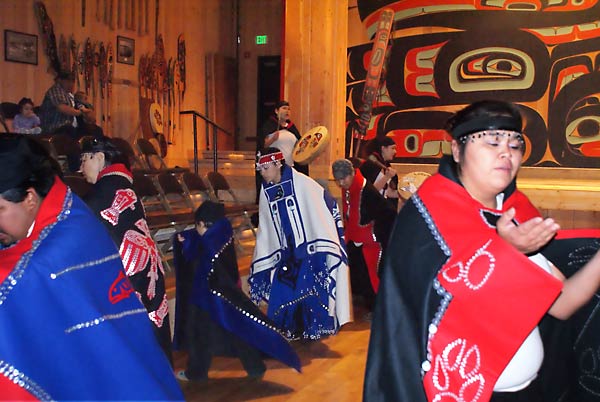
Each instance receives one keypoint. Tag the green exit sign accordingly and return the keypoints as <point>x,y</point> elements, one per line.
<point>261,39</point>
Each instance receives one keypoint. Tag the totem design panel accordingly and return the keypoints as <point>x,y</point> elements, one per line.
<point>543,55</point>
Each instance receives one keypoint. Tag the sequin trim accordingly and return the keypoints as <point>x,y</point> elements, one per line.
<point>20,379</point>
<point>17,273</point>
<point>85,265</point>
<point>107,317</point>
<point>446,296</point>
<point>220,295</point>
<point>482,213</point>
<point>430,224</point>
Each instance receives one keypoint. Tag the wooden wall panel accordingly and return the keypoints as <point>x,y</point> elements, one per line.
<point>222,98</point>
<point>315,71</point>
<point>208,26</point>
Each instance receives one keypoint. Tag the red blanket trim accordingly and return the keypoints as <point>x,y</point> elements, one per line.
<point>354,231</point>
<point>498,295</point>
<point>116,168</point>
<point>578,233</point>
<point>9,391</point>
<point>49,209</point>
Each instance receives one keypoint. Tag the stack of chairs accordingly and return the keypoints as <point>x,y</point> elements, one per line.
<point>169,195</point>
<point>167,203</point>
<point>183,189</point>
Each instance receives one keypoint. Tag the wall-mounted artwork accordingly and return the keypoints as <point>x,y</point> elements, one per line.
<point>125,50</point>
<point>20,47</point>
<point>543,56</point>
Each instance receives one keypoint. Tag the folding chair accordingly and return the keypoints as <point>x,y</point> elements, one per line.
<point>152,158</point>
<point>8,111</point>
<point>196,188</point>
<point>234,207</point>
<point>68,151</point>
<point>44,140</point>
<point>126,149</point>
<point>162,220</point>
<point>176,196</point>
<point>78,184</point>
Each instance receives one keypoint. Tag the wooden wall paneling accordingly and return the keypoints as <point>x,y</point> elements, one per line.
<point>562,217</point>
<point>225,102</point>
<point>315,71</point>
<point>221,99</point>
<point>586,219</point>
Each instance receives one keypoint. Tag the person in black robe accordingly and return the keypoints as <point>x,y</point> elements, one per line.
<point>213,317</point>
<point>120,209</point>
<point>470,272</point>
<point>378,170</point>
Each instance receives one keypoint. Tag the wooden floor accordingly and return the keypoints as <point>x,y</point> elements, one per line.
<point>332,369</point>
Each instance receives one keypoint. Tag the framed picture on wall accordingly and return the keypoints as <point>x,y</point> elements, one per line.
<point>20,47</point>
<point>125,50</point>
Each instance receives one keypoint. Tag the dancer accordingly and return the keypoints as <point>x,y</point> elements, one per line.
<point>300,265</point>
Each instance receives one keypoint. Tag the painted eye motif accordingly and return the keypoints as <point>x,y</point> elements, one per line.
<point>502,68</point>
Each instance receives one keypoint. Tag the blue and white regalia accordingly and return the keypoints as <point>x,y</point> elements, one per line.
<point>300,267</point>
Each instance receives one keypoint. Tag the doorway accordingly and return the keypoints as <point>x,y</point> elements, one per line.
<point>268,87</point>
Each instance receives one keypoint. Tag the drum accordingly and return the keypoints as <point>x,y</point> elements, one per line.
<point>156,118</point>
<point>310,145</point>
<point>409,183</point>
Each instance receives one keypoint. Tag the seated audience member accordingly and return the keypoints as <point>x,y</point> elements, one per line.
<point>26,122</point>
<point>299,267</point>
<point>120,209</point>
<point>469,274</point>
<point>58,112</point>
<point>86,123</point>
<point>368,219</point>
<point>214,316</point>
<point>73,328</point>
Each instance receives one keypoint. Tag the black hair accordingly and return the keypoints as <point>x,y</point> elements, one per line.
<point>281,103</point>
<point>486,112</point>
<point>43,169</point>
<point>23,102</point>
<point>377,143</point>
<point>112,154</point>
<point>65,75</point>
<point>486,109</point>
<point>270,150</point>
<point>209,212</point>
